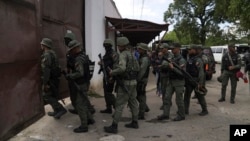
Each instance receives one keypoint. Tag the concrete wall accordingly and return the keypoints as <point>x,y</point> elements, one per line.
<point>95,12</point>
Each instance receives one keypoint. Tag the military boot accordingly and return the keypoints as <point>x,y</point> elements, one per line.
<point>108,111</point>
<point>51,113</point>
<point>73,111</point>
<point>133,124</point>
<point>91,121</point>
<point>111,129</point>
<point>203,112</point>
<point>141,116</point>
<point>60,112</point>
<point>81,129</point>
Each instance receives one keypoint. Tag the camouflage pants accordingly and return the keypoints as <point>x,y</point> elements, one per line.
<point>225,77</point>
<point>141,97</point>
<point>122,99</point>
<point>108,94</point>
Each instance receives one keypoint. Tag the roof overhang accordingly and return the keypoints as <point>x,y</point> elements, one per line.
<point>135,30</point>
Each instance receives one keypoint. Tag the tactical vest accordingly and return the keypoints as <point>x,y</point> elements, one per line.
<point>108,60</point>
<point>84,59</point>
<point>132,67</point>
<point>172,74</point>
<point>191,67</point>
<point>70,61</point>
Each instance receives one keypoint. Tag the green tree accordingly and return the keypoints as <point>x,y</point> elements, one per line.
<point>193,19</point>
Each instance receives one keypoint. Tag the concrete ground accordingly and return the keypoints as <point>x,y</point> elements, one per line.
<point>213,127</point>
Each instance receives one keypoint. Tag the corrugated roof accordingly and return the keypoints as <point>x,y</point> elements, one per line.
<point>136,30</point>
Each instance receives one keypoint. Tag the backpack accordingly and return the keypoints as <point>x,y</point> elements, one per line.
<point>88,67</point>
<point>56,69</point>
<point>132,67</point>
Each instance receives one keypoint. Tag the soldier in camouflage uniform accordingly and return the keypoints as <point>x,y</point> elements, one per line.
<point>110,58</point>
<point>126,73</point>
<point>69,36</point>
<point>50,80</point>
<point>229,67</point>
<point>195,68</point>
<point>142,78</point>
<point>175,84</point>
<point>163,67</point>
<point>81,80</point>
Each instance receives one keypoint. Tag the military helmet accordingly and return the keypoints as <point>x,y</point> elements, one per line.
<point>142,46</point>
<point>175,45</point>
<point>122,41</point>
<point>47,42</point>
<point>69,34</point>
<point>164,45</point>
<point>108,41</point>
<point>73,44</point>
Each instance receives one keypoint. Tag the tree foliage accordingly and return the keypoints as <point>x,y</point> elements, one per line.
<point>194,19</point>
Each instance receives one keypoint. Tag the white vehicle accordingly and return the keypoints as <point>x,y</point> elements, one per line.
<point>218,52</point>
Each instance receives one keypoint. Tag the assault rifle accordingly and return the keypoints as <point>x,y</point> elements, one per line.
<point>119,82</point>
<point>102,68</point>
<point>188,78</point>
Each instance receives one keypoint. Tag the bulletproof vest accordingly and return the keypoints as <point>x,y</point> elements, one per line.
<point>84,59</point>
<point>173,75</point>
<point>147,71</point>
<point>191,67</point>
<point>132,67</point>
<point>108,59</point>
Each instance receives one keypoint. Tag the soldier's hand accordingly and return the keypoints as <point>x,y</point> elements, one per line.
<point>171,66</point>
<point>231,67</point>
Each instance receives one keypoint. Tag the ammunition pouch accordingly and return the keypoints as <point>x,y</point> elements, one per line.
<point>132,75</point>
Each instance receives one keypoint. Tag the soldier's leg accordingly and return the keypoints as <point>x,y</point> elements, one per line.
<point>187,95</point>
<point>73,93</point>
<point>180,103</point>
<point>141,99</point>
<point>233,80</point>
<point>133,105</point>
<point>167,103</point>
<point>163,84</point>
<point>225,78</point>
<point>203,103</point>
<point>109,97</point>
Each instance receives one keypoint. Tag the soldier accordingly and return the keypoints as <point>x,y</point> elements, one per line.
<point>230,64</point>
<point>110,58</point>
<point>175,84</point>
<point>69,36</point>
<point>126,71</point>
<point>164,71</point>
<point>246,59</point>
<point>50,78</point>
<point>142,79</point>
<point>195,68</point>
<point>81,80</point>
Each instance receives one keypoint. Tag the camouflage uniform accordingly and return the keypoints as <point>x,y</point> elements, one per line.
<point>226,74</point>
<point>175,84</point>
<point>142,80</point>
<point>164,72</point>
<point>110,58</point>
<point>79,77</point>
<point>195,68</point>
<point>126,86</point>
<point>69,36</point>
<point>49,62</point>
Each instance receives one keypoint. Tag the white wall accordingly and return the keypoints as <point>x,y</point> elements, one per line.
<point>95,12</point>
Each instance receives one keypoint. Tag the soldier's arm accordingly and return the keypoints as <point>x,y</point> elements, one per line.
<point>143,68</point>
<point>79,70</point>
<point>182,65</point>
<point>46,68</point>
<point>201,75</point>
<point>121,66</point>
<point>238,65</point>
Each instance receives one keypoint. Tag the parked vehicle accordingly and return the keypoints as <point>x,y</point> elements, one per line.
<point>242,49</point>
<point>218,52</point>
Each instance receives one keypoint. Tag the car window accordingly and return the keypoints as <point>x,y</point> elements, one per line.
<point>213,50</point>
<point>219,50</point>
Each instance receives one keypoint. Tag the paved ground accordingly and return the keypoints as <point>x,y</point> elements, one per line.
<point>214,127</point>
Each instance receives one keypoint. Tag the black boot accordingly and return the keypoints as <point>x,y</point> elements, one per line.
<point>141,116</point>
<point>111,129</point>
<point>60,112</point>
<point>162,117</point>
<point>73,111</point>
<point>108,111</point>
<point>52,113</point>
<point>221,100</point>
<point>91,121</point>
<point>81,129</point>
<point>133,124</point>
<point>203,113</point>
